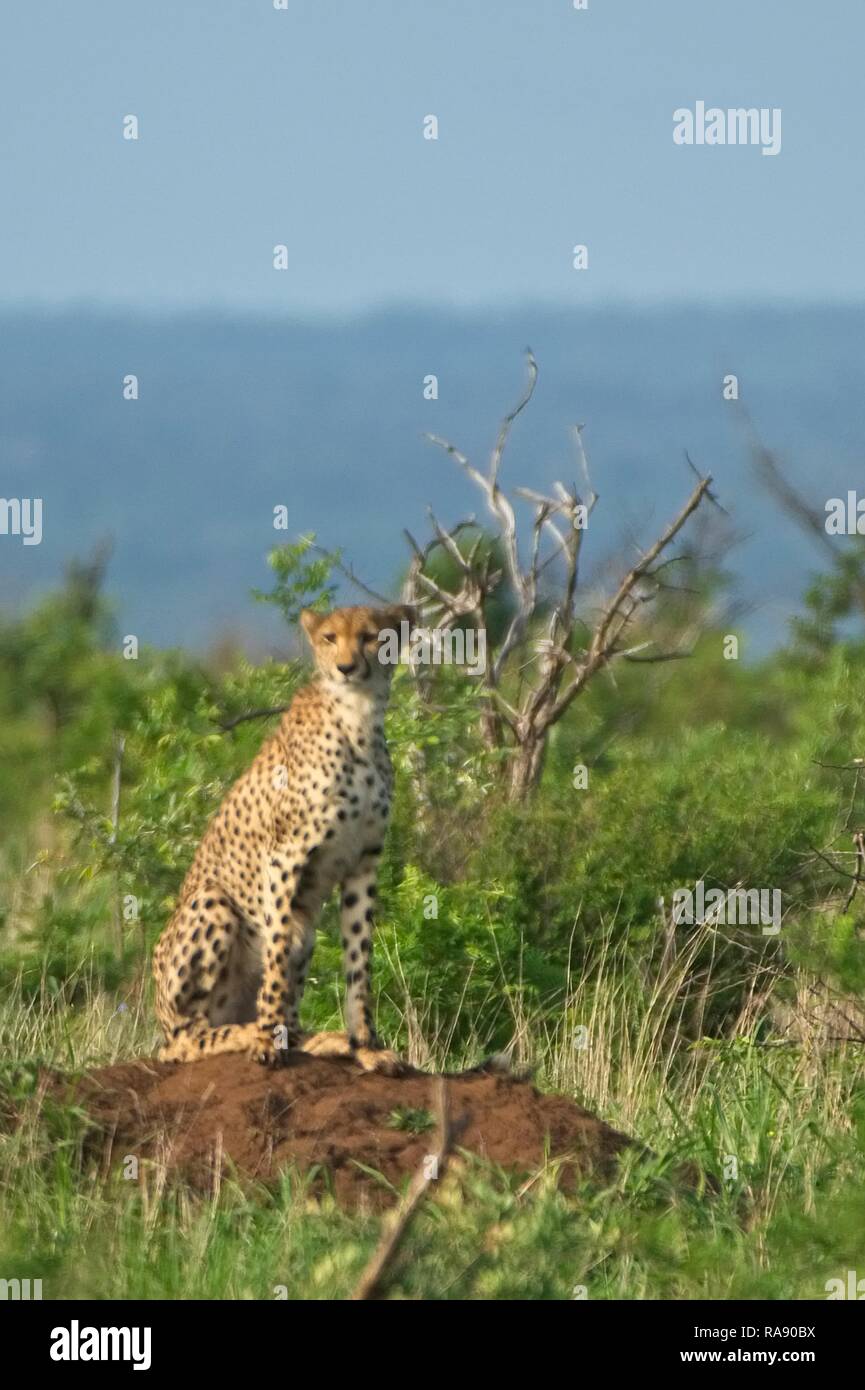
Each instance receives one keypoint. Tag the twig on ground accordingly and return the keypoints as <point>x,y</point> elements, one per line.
<point>430,1170</point>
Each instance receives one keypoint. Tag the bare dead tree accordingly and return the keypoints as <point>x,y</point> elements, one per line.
<point>542,640</point>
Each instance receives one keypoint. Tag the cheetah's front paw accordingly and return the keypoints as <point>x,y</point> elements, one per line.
<point>270,1046</point>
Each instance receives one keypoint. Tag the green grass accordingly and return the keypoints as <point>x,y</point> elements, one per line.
<point>411,1120</point>
<point>793,1118</point>
<point>539,928</point>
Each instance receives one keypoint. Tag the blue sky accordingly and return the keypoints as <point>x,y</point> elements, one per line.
<point>304,127</point>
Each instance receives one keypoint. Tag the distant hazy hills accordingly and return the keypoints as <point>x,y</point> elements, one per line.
<point>235,417</point>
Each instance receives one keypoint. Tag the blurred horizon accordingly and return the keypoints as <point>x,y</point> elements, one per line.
<point>306,129</point>
<point>237,415</point>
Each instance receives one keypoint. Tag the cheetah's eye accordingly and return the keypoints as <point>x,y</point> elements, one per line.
<point>368,637</point>
<point>329,636</point>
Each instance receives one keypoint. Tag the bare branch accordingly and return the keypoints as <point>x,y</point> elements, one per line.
<point>659,656</point>
<point>556,536</point>
<point>584,464</point>
<point>604,638</point>
<point>505,428</point>
<point>431,1170</point>
<point>226,724</point>
<point>859,842</point>
<point>348,573</point>
<point>710,495</point>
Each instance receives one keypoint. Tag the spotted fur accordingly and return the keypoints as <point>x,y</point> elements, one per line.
<point>309,814</point>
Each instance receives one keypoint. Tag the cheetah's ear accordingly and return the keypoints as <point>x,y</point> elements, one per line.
<point>309,621</point>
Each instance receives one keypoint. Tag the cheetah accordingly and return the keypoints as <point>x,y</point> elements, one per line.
<point>310,813</point>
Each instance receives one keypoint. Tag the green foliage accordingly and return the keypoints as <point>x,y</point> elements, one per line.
<point>300,582</point>
<point>792,1218</point>
<point>177,765</point>
<point>705,771</point>
<point>497,925</point>
<point>411,1120</point>
<point>834,603</point>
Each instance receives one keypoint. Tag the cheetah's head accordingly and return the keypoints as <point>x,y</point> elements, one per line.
<point>346,643</point>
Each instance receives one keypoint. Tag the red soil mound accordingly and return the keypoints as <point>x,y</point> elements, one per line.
<point>326,1113</point>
